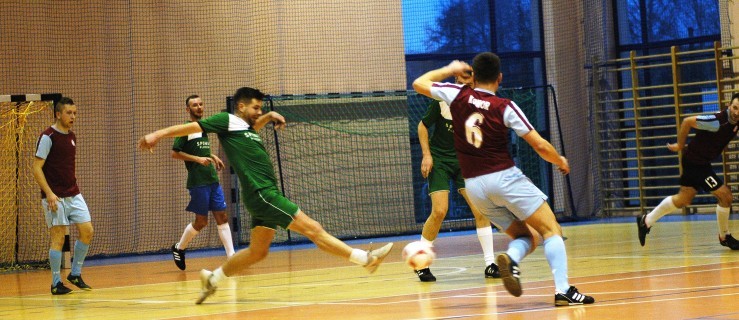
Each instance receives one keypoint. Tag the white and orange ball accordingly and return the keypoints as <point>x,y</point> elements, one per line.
<point>418,255</point>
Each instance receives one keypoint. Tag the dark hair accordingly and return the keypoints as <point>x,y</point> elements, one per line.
<point>187,101</point>
<point>734,96</point>
<point>63,101</point>
<point>486,67</point>
<point>245,94</point>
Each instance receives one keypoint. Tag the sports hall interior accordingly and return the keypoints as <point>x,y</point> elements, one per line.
<point>606,81</point>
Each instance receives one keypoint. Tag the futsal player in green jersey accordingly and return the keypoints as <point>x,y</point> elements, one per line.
<point>205,191</point>
<point>267,206</point>
<point>439,165</point>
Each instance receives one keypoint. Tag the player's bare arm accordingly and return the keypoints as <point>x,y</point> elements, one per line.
<point>149,141</point>
<point>682,135</point>
<point>423,138</point>
<point>268,117</point>
<point>423,83</point>
<point>38,175</point>
<point>546,151</point>
<point>179,155</point>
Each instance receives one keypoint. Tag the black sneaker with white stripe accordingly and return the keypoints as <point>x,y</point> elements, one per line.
<point>492,271</point>
<point>425,275</point>
<point>730,242</point>
<point>178,256</point>
<point>572,297</point>
<point>510,274</point>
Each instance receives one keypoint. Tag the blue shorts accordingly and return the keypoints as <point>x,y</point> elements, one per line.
<point>505,196</point>
<point>68,210</point>
<point>206,198</point>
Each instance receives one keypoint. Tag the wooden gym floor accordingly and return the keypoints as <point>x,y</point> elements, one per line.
<point>682,273</point>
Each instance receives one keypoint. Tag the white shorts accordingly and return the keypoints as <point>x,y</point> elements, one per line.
<point>69,209</point>
<point>505,196</point>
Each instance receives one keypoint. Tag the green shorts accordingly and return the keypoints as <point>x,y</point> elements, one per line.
<point>269,208</point>
<point>442,172</point>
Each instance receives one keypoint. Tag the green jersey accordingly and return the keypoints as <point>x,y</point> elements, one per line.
<point>441,142</point>
<point>245,151</point>
<point>196,144</point>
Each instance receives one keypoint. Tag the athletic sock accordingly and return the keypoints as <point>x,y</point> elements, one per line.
<point>224,232</point>
<point>80,252</point>
<point>359,257</point>
<point>722,217</point>
<point>55,261</point>
<point>187,236</point>
<point>664,207</point>
<point>518,248</point>
<point>431,242</point>
<point>485,236</point>
<point>554,250</point>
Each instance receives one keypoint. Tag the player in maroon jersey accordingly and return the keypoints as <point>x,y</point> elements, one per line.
<point>713,133</point>
<point>481,122</point>
<point>54,170</point>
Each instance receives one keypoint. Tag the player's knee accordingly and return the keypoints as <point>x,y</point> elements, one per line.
<point>87,235</point>
<point>57,244</point>
<point>439,212</point>
<point>680,202</point>
<point>725,201</point>
<point>199,224</point>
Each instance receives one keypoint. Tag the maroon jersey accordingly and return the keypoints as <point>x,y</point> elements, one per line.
<point>481,121</point>
<point>58,149</point>
<point>713,134</point>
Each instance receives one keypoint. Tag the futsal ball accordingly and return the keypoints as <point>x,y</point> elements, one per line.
<point>418,255</point>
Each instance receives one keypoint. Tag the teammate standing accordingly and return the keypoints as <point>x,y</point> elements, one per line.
<point>206,193</point>
<point>439,165</point>
<point>495,185</point>
<point>713,133</point>
<point>267,206</point>
<point>54,170</point>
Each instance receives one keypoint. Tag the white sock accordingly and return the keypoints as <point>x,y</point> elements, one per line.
<point>224,232</point>
<point>485,236</point>
<point>187,236</point>
<point>431,242</point>
<point>664,207</point>
<point>722,217</point>
<point>359,257</point>
<point>218,275</point>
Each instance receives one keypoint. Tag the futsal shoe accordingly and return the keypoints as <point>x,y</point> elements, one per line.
<point>77,281</point>
<point>60,289</point>
<point>178,256</point>
<point>510,274</point>
<point>730,242</point>
<point>572,297</point>
<point>643,229</point>
<point>492,271</point>
<point>207,289</point>
<point>425,275</point>
<point>375,257</point>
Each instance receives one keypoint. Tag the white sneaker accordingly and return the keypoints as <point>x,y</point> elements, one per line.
<point>376,256</point>
<point>207,289</point>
